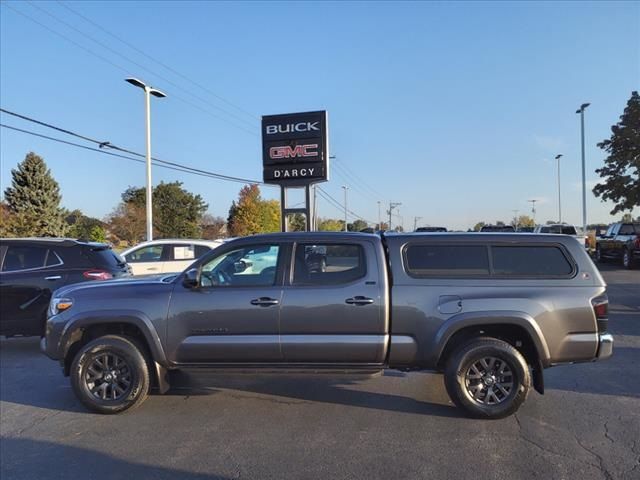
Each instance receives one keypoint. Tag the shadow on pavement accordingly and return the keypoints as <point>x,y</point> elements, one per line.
<point>323,388</point>
<point>25,458</point>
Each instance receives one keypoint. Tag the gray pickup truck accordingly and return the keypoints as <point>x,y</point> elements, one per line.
<point>490,311</point>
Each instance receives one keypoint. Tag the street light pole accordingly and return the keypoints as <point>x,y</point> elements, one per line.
<point>148,91</point>
<point>379,217</point>
<point>415,222</point>
<point>584,179</point>
<point>345,207</point>
<point>559,197</point>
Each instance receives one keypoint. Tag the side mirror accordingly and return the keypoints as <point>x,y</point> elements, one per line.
<point>240,266</point>
<point>191,278</point>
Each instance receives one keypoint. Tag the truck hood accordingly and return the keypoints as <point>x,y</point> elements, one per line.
<point>116,283</point>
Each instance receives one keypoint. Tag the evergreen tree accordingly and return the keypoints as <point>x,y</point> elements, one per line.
<point>34,200</point>
<point>621,171</point>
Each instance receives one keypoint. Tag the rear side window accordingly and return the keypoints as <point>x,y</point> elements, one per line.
<point>23,258</point>
<point>328,264</point>
<point>627,229</point>
<point>446,260</point>
<point>530,261</point>
<point>105,258</point>
<point>180,252</point>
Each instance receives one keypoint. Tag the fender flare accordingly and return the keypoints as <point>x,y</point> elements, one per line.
<point>79,322</point>
<point>472,319</point>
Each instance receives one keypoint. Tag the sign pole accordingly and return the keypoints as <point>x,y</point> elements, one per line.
<point>283,208</point>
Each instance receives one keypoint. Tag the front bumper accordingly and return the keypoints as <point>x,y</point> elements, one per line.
<point>605,346</point>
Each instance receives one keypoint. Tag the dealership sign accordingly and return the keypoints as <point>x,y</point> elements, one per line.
<point>294,148</point>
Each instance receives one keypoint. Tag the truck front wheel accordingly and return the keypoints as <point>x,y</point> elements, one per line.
<point>110,375</point>
<point>487,378</point>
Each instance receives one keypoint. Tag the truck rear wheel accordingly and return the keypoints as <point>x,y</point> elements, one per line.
<point>487,378</point>
<point>110,375</point>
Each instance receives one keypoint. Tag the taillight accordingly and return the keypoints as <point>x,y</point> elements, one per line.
<point>601,309</point>
<point>97,275</point>
<point>636,242</point>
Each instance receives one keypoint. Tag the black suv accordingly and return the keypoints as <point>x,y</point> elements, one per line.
<point>32,268</point>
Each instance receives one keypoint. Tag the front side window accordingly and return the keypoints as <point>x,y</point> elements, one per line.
<point>530,261</point>
<point>242,267</point>
<point>328,264</point>
<point>24,258</point>
<point>151,253</point>
<point>446,260</point>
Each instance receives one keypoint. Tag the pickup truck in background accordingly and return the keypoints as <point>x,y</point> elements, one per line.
<point>490,311</point>
<point>563,229</point>
<point>621,242</point>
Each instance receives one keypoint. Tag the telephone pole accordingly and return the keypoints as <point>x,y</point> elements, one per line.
<point>345,207</point>
<point>415,222</point>
<point>379,217</point>
<point>392,205</point>
<point>533,208</point>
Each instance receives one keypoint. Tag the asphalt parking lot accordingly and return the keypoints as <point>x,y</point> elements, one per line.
<point>393,426</point>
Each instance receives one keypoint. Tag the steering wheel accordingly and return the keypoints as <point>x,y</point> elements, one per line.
<point>215,278</point>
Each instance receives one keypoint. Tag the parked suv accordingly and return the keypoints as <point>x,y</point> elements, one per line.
<point>166,256</point>
<point>32,268</point>
<point>491,311</point>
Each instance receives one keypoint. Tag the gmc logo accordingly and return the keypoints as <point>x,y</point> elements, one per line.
<point>292,128</point>
<point>298,151</point>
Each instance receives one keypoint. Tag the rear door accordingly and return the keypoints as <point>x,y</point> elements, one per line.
<point>28,277</point>
<point>333,307</point>
<point>178,256</point>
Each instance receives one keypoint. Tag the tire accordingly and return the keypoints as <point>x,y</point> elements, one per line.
<point>493,392</point>
<point>598,256</point>
<point>627,260</point>
<point>110,375</point>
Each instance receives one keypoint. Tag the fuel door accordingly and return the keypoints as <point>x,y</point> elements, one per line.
<point>448,304</point>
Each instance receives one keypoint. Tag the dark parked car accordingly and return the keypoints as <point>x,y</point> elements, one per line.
<point>621,243</point>
<point>431,229</point>
<point>498,229</point>
<point>32,268</point>
<point>490,311</point>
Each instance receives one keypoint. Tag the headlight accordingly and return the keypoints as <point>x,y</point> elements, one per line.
<point>58,305</point>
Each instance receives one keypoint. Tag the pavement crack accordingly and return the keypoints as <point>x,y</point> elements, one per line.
<point>606,433</point>
<point>37,422</point>
<point>601,467</point>
<point>547,450</point>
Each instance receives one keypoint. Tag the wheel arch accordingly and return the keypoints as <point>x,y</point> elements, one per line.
<point>516,328</point>
<point>81,330</point>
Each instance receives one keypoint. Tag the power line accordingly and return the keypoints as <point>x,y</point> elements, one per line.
<point>344,168</point>
<point>162,64</point>
<point>122,69</point>
<point>115,52</point>
<point>105,144</point>
<point>340,206</point>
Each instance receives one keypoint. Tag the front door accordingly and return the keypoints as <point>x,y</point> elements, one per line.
<point>233,314</point>
<point>333,308</point>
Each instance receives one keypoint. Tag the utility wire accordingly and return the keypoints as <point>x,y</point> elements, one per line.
<point>124,57</point>
<point>355,179</point>
<point>122,69</point>
<point>338,205</point>
<point>162,64</point>
<point>105,144</point>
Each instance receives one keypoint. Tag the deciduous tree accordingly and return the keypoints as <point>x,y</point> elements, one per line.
<point>621,170</point>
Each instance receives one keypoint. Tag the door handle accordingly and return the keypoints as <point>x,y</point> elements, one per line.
<point>152,268</point>
<point>359,300</point>
<point>264,301</point>
<point>53,277</point>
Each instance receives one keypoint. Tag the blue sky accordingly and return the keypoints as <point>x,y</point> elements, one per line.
<point>454,109</point>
